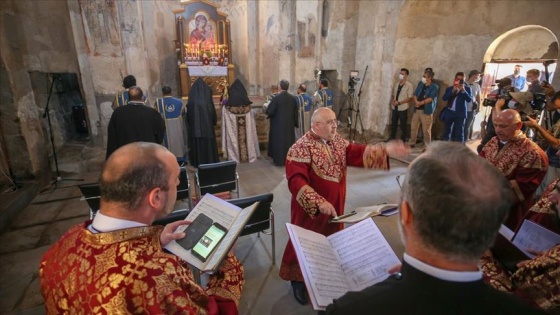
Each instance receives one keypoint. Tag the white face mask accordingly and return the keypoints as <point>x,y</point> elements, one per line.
<point>424,80</point>
<point>401,76</point>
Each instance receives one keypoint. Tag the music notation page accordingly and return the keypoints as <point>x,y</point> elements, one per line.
<point>349,260</point>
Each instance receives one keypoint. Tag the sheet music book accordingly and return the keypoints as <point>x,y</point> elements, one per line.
<point>535,237</point>
<point>224,213</point>
<point>361,255</point>
<point>371,211</point>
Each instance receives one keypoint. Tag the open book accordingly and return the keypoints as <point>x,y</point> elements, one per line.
<point>224,213</point>
<point>349,260</point>
<point>511,248</point>
<point>362,213</point>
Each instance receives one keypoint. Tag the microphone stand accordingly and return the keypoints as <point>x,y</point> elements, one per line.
<point>48,116</point>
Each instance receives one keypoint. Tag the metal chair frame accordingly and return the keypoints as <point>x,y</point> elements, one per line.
<point>202,190</point>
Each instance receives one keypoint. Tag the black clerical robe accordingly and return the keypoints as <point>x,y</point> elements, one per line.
<point>201,119</point>
<point>416,292</point>
<point>132,123</point>
<point>283,114</point>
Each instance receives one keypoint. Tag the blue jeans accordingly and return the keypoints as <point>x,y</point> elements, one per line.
<point>454,127</point>
<point>468,125</point>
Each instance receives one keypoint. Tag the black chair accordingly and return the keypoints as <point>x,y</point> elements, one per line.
<point>184,188</point>
<point>92,196</point>
<point>261,220</point>
<point>216,178</point>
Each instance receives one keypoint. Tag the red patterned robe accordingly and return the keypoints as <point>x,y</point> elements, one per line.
<point>524,164</point>
<point>538,281</point>
<point>126,271</point>
<point>316,171</point>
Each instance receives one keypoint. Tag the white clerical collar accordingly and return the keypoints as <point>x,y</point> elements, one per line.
<point>103,223</point>
<point>442,274</point>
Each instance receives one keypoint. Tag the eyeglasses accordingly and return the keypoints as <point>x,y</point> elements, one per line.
<point>400,179</point>
<point>331,122</point>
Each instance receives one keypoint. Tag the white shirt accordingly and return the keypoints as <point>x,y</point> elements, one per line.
<point>475,90</point>
<point>443,274</point>
<point>102,223</point>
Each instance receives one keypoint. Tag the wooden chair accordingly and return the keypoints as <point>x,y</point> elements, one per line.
<point>261,220</point>
<point>216,178</point>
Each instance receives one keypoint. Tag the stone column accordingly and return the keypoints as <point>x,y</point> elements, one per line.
<point>94,122</point>
<point>133,46</point>
<point>21,121</point>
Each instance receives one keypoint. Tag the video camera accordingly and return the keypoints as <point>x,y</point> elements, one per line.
<point>353,79</point>
<point>494,96</point>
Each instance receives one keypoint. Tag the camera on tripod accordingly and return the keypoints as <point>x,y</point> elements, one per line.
<point>353,79</point>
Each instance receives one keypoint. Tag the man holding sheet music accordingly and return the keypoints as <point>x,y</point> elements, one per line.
<point>536,280</point>
<point>116,265</point>
<point>316,173</point>
<point>445,231</point>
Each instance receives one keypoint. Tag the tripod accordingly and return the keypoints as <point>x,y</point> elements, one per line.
<point>352,106</point>
<point>48,116</point>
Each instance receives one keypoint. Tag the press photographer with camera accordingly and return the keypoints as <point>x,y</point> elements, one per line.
<point>455,114</point>
<point>487,131</point>
<point>551,137</point>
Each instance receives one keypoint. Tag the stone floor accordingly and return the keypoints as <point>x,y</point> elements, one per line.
<point>53,211</point>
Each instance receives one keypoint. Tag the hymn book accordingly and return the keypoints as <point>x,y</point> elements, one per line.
<point>224,213</point>
<point>349,260</point>
<point>362,213</point>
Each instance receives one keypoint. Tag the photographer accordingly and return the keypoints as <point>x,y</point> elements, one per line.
<point>455,114</point>
<point>504,87</point>
<point>551,137</point>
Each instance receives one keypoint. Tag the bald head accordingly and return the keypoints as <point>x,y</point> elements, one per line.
<point>324,124</point>
<point>132,171</point>
<point>321,113</point>
<point>507,124</point>
<point>135,93</point>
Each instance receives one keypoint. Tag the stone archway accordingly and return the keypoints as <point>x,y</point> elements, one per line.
<point>528,45</point>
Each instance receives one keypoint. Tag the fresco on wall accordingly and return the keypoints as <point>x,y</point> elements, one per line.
<point>306,39</point>
<point>101,27</point>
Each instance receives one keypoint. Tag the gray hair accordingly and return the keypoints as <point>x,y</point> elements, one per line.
<point>129,183</point>
<point>458,200</point>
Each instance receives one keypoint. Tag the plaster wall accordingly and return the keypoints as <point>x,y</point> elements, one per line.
<point>35,37</point>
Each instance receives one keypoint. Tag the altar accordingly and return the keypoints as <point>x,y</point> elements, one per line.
<point>203,46</point>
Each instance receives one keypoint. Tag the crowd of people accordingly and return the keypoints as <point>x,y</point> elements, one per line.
<point>453,202</point>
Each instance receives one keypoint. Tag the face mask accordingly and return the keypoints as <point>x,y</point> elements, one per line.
<point>424,80</point>
<point>515,72</point>
<point>401,76</point>
<point>512,104</point>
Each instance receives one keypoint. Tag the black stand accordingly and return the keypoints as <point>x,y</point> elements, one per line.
<point>353,106</point>
<point>48,116</point>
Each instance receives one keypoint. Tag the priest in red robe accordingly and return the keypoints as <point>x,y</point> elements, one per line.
<point>115,264</point>
<point>519,159</point>
<point>537,280</point>
<point>316,172</point>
